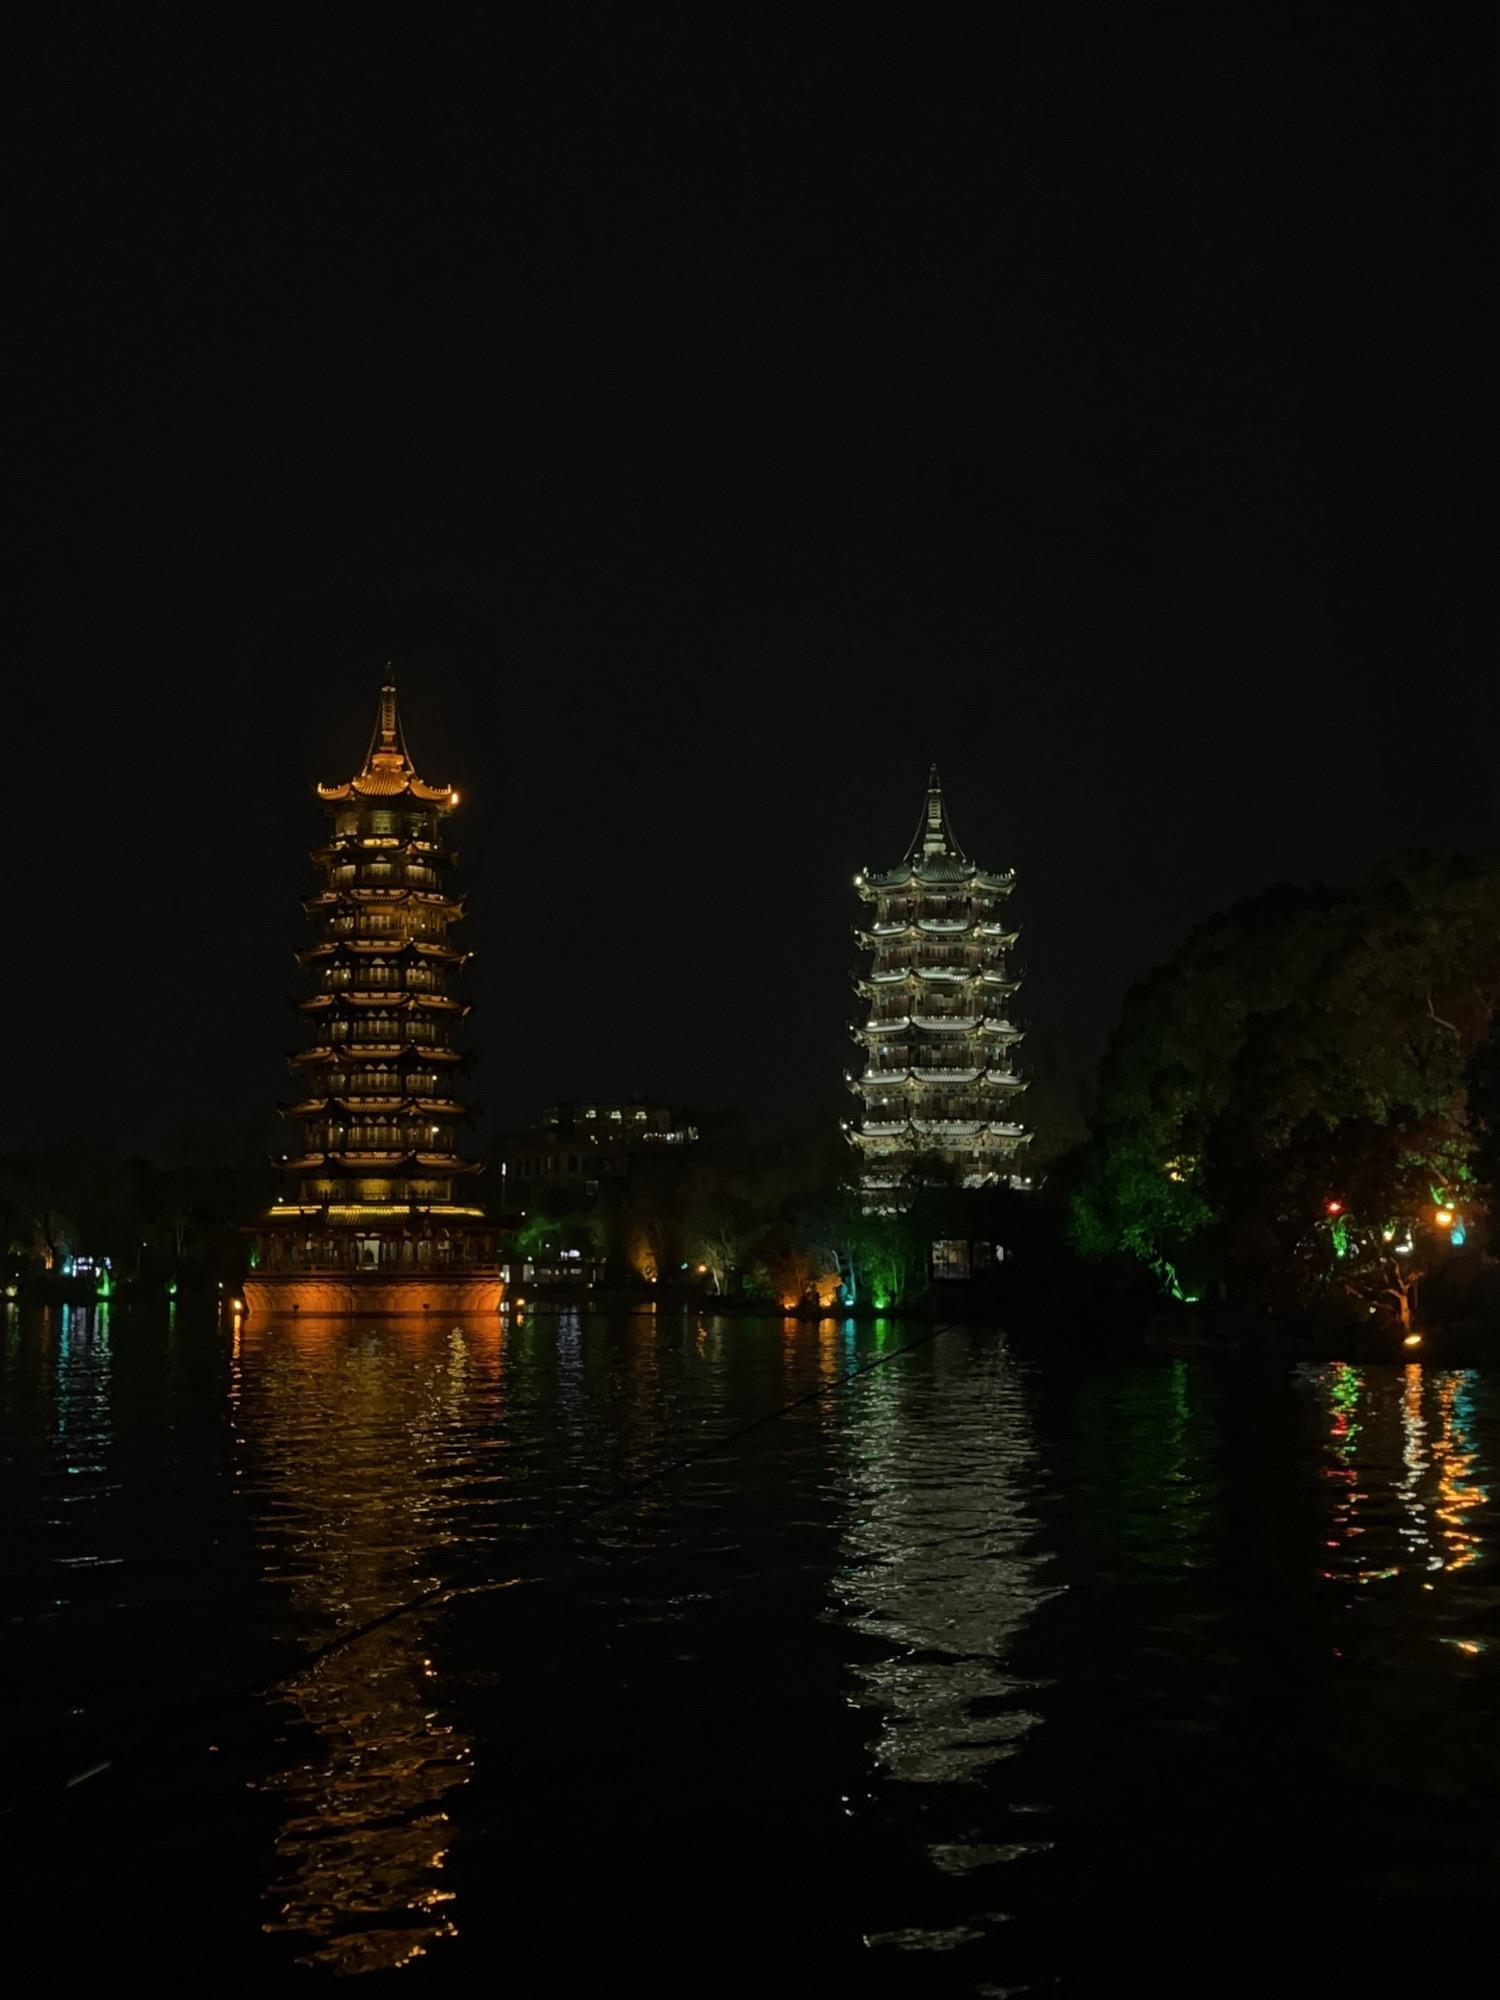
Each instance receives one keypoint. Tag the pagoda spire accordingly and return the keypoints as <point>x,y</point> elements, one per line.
<point>934,834</point>
<point>388,770</point>
<point>388,749</point>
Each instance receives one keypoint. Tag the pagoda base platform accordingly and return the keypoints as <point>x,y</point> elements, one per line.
<point>373,1294</point>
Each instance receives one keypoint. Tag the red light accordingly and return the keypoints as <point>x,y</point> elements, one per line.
<point>1335,1207</point>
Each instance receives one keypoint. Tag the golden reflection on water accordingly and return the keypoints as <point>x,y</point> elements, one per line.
<point>1460,1495</point>
<point>348,1427</point>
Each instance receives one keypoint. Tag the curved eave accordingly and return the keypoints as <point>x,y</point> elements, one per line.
<point>388,785</point>
<point>361,1159</point>
<point>406,1108</point>
<point>351,950</point>
<point>395,1000</point>
<point>352,847</point>
<point>359,1052</point>
<point>938,879</point>
<point>928,1135</point>
<point>432,899</point>
<point>365,1158</point>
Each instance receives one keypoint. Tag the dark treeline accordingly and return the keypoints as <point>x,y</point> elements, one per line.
<point>1297,1123</point>
<point>153,1224</point>
<point>779,1222</point>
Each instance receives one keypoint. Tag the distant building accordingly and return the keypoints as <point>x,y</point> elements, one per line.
<point>370,1218</point>
<point>939,1081</point>
<point>582,1142</point>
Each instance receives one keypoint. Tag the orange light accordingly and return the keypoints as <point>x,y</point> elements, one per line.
<point>1445,1218</point>
<point>1335,1207</point>
<point>1412,1340</point>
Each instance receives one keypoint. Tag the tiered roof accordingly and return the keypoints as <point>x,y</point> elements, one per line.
<point>388,772</point>
<point>934,858</point>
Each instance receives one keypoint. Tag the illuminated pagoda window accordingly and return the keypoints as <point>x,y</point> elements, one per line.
<point>377,1181</point>
<point>939,1093</point>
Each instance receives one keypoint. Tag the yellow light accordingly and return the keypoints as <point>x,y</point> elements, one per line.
<point>1412,1340</point>
<point>453,798</point>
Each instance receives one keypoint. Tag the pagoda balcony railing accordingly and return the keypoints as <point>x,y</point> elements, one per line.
<point>373,979</point>
<point>337,1139</point>
<point>997,930</point>
<point>384,874</point>
<point>997,1024</point>
<point>882,1127</point>
<point>926,1018</point>
<point>381,1028</point>
<point>382,1246</point>
<point>379,1086</point>
<point>409,1102</point>
<point>944,923</point>
<point>367,929</point>
<point>947,1073</point>
<point>929,966</point>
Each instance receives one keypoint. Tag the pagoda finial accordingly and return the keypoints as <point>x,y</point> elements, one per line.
<point>388,749</point>
<point>388,769</point>
<point>388,721</point>
<point>934,833</point>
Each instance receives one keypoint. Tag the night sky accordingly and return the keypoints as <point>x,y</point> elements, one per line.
<point>714,417</point>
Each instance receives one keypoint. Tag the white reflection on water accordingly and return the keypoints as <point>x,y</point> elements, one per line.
<point>939,1561</point>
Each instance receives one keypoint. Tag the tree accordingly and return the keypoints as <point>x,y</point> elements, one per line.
<point>1304,1038</point>
<point>1168,1072</point>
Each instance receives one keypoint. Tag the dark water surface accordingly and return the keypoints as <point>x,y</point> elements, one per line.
<point>987,1672</point>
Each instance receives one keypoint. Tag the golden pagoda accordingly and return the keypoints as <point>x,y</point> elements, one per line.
<point>369,1220</point>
